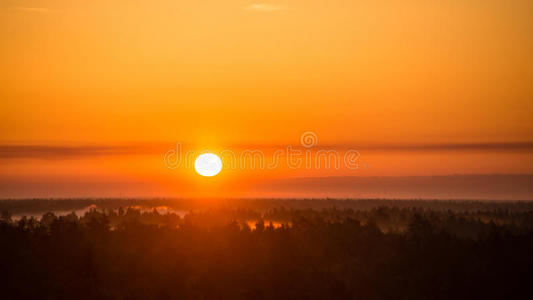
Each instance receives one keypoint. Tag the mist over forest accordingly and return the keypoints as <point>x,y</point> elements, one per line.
<point>265,249</point>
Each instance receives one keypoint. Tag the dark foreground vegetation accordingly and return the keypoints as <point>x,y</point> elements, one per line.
<point>406,250</point>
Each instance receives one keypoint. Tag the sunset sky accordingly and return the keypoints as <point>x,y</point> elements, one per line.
<point>94,93</point>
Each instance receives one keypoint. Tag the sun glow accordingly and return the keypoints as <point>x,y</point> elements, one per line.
<point>208,164</point>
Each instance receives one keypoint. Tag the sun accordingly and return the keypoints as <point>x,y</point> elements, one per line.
<point>208,164</point>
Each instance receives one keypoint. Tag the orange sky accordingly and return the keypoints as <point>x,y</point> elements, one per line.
<point>388,78</point>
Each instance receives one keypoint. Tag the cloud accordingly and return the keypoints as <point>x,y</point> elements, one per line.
<point>64,152</point>
<point>40,10</point>
<point>495,146</point>
<point>265,7</point>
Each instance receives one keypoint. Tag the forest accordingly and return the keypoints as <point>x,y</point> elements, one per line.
<point>266,249</point>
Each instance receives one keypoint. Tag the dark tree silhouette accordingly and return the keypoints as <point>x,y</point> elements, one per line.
<point>230,253</point>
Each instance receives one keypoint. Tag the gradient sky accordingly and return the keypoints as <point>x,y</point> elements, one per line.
<point>93,93</point>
